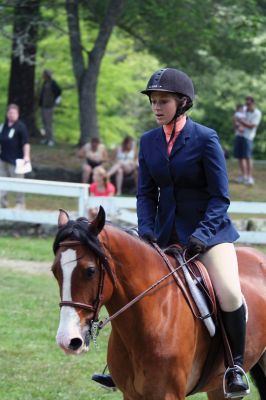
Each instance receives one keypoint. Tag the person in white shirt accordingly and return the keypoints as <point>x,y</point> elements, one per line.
<point>244,141</point>
<point>125,162</point>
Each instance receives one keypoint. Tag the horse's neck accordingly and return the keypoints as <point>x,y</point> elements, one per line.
<point>137,266</point>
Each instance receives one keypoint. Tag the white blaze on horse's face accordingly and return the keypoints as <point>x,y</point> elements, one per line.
<point>69,331</point>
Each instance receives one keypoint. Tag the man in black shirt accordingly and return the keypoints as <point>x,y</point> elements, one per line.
<point>14,141</point>
<point>49,98</point>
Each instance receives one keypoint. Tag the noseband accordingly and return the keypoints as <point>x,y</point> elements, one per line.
<point>95,307</point>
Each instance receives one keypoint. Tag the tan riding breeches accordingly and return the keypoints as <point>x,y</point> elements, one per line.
<point>221,263</point>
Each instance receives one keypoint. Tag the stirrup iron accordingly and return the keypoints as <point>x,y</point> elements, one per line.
<point>235,395</point>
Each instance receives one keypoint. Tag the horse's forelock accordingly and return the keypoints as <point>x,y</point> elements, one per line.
<point>80,230</point>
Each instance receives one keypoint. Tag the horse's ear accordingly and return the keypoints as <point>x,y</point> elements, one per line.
<point>98,223</point>
<point>63,217</point>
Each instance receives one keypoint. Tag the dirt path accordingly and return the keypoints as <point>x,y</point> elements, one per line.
<point>33,267</point>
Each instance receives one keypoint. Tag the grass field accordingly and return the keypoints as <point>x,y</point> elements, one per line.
<point>32,366</point>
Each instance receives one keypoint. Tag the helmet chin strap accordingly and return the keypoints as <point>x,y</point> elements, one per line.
<point>179,111</point>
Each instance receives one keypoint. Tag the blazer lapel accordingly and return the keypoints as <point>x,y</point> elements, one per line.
<point>161,143</point>
<point>182,138</point>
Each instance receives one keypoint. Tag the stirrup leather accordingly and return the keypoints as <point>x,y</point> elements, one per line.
<point>235,395</point>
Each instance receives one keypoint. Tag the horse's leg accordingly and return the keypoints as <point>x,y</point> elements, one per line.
<point>262,363</point>
<point>258,373</point>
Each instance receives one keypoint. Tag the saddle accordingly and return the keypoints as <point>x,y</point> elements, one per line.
<point>194,281</point>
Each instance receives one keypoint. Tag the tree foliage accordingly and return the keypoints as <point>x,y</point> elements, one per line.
<point>220,43</point>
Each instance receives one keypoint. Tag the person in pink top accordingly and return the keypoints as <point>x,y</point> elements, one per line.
<point>100,187</point>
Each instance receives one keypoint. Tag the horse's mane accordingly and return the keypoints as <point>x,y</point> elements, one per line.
<point>80,230</point>
<point>132,231</point>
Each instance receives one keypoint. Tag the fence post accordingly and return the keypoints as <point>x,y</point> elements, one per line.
<point>83,200</point>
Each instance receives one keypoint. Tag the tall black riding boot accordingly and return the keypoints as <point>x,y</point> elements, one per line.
<point>235,327</point>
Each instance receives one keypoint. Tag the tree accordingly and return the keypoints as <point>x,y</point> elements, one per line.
<point>22,70</point>
<point>86,70</point>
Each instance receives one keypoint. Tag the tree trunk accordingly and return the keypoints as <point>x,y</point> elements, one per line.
<point>88,109</point>
<point>22,71</point>
<point>87,77</point>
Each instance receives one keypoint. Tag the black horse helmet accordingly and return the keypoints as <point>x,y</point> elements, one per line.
<point>170,80</point>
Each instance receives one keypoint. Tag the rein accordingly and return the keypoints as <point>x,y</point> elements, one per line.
<point>103,323</point>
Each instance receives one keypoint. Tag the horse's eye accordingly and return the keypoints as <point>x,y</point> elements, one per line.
<point>89,272</point>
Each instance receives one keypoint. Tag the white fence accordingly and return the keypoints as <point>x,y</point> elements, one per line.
<point>122,208</point>
<point>51,188</point>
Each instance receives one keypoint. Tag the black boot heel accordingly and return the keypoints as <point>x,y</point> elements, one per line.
<point>105,380</point>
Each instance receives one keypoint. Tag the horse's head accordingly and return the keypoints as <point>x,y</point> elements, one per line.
<point>80,267</point>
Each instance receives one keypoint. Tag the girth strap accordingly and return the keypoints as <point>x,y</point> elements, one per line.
<point>178,281</point>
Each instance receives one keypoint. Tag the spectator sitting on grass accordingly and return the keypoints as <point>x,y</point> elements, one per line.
<point>125,164</point>
<point>95,154</point>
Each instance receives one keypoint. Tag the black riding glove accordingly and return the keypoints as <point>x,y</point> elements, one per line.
<point>149,238</point>
<point>195,246</point>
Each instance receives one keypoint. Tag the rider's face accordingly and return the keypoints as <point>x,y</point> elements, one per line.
<point>164,106</point>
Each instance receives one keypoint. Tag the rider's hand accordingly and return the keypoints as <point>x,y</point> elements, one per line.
<point>195,246</point>
<point>148,237</point>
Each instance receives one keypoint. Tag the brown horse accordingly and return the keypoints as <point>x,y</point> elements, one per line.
<point>156,348</point>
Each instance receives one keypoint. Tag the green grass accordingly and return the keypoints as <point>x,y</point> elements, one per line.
<point>37,249</point>
<point>44,202</point>
<point>32,366</point>
<point>244,192</point>
<point>26,248</point>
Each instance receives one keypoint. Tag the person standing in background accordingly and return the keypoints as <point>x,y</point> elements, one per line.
<point>14,141</point>
<point>50,96</point>
<point>244,141</point>
<point>238,116</point>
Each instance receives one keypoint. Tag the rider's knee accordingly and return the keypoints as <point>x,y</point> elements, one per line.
<point>230,300</point>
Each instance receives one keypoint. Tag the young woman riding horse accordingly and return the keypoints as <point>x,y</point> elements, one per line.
<point>183,197</point>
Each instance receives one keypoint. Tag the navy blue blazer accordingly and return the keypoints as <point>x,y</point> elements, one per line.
<point>186,191</point>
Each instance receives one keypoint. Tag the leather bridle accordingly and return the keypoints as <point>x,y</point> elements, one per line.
<point>97,303</point>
